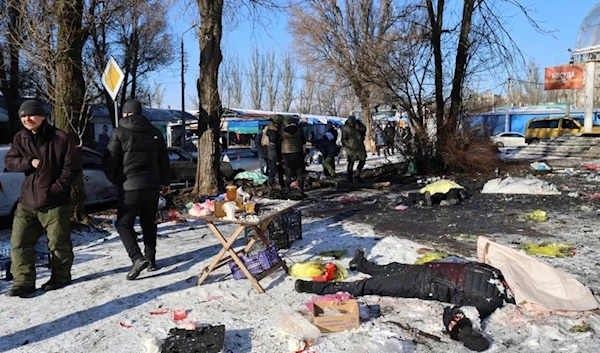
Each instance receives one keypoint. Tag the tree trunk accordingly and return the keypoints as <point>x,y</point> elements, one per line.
<point>365,116</point>
<point>9,78</point>
<point>207,175</point>
<point>460,64</point>
<point>70,85</point>
<point>436,23</point>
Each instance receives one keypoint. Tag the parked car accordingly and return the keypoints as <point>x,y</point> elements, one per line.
<point>509,139</point>
<point>545,128</point>
<point>97,188</point>
<point>184,165</point>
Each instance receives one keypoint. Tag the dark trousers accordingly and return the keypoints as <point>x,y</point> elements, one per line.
<point>294,166</point>
<point>273,170</point>
<point>359,168</point>
<point>132,203</point>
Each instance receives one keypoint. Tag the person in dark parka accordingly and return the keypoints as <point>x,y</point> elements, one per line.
<point>274,158</point>
<point>390,133</point>
<point>353,140</point>
<point>328,149</point>
<point>136,160</point>
<point>48,158</point>
<point>292,150</point>
<point>461,284</point>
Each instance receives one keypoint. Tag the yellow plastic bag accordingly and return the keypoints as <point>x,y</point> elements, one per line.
<point>434,255</point>
<point>537,215</point>
<point>307,269</point>
<point>312,269</point>
<point>548,249</point>
<point>440,187</point>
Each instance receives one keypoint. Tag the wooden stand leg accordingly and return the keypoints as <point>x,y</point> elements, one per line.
<point>226,247</point>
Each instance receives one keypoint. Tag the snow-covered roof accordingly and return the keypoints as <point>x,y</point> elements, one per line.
<point>163,115</point>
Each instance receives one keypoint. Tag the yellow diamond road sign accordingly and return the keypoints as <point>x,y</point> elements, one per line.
<point>112,78</point>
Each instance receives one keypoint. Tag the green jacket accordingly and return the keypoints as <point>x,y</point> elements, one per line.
<point>353,138</point>
<point>292,139</point>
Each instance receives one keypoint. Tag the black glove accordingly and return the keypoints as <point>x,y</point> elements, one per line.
<point>463,331</point>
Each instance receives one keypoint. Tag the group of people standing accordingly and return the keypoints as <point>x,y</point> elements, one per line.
<point>135,160</point>
<point>384,139</point>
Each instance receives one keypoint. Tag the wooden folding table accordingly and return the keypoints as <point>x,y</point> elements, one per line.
<point>267,210</point>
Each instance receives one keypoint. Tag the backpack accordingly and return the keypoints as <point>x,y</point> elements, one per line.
<point>264,140</point>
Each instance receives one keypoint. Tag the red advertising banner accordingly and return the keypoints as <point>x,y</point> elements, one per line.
<point>563,77</point>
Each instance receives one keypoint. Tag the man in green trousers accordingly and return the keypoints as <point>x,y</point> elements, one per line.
<point>49,159</point>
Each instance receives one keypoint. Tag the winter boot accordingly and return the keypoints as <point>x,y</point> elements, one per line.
<point>54,284</point>
<point>303,286</point>
<point>138,266</point>
<point>359,255</point>
<point>20,291</point>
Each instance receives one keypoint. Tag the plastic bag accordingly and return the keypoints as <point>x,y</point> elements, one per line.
<point>548,249</point>
<point>537,215</point>
<point>306,269</point>
<point>162,202</point>
<point>289,323</point>
<point>434,255</point>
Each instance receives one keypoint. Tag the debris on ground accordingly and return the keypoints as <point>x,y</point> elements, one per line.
<point>581,328</point>
<point>537,216</point>
<point>548,249</point>
<point>432,256</point>
<point>201,340</point>
<point>337,254</point>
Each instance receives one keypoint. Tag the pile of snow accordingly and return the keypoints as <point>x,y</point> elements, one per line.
<point>513,185</point>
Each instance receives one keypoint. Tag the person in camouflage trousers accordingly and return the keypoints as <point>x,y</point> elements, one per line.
<point>49,159</point>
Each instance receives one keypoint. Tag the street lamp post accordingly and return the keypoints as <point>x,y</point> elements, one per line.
<point>183,86</point>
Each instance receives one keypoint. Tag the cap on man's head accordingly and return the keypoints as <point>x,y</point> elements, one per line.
<point>351,119</point>
<point>132,106</point>
<point>278,119</point>
<point>287,120</point>
<point>32,107</point>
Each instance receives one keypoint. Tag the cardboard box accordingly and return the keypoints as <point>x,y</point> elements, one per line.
<point>347,321</point>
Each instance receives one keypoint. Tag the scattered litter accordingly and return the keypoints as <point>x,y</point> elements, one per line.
<point>590,166</point>
<point>573,194</point>
<point>201,340</point>
<point>593,196</point>
<point>540,168</point>
<point>349,200</point>
<point>126,324</point>
<point>537,216</point>
<point>256,178</point>
<point>510,185</point>
<point>159,312</point>
<point>431,256</point>
<point>370,202</point>
<point>290,323</point>
<point>179,314</point>
<point>311,269</point>
<point>581,328</point>
<point>467,236</point>
<point>548,249</point>
<point>401,207</point>
<point>440,187</point>
<point>534,338</point>
<point>329,274</point>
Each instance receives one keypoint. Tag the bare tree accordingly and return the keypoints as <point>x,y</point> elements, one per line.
<point>256,78</point>
<point>271,80</point>
<point>158,94</point>
<point>307,94</point>
<point>9,64</point>
<point>210,33</point>
<point>336,38</point>
<point>287,74</point>
<point>237,82</point>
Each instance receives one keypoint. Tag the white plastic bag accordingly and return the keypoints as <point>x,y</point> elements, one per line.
<point>291,324</point>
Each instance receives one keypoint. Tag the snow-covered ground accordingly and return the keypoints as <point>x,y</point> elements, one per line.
<point>90,314</point>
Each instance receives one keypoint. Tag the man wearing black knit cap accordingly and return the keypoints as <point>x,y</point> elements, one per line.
<point>136,161</point>
<point>48,158</point>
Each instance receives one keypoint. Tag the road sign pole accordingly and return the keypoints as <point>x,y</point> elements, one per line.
<point>116,114</point>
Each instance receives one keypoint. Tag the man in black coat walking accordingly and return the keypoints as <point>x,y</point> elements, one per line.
<point>136,160</point>
<point>461,284</point>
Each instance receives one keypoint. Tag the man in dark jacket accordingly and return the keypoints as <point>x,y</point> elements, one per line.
<point>48,157</point>
<point>136,161</point>
<point>353,139</point>
<point>328,149</point>
<point>274,159</point>
<point>461,284</point>
<point>292,150</point>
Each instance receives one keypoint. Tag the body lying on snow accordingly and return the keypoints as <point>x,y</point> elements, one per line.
<point>464,285</point>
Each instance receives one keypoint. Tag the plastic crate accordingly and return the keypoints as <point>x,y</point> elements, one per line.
<point>257,263</point>
<point>42,257</point>
<point>283,230</point>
